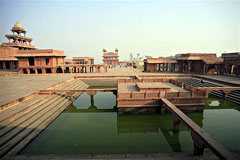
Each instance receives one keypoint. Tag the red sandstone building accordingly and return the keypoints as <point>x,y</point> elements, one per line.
<point>110,58</point>
<point>199,63</point>
<point>231,63</point>
<point>40,61</point>
<point>159,65</point>
<point>19,53</point>
<point>7,60</point>
<point>16,41</point>
<point>80,60</point>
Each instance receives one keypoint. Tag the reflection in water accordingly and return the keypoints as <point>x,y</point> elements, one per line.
<point>218,103</point>
<point>78,132</point>
<point>100,102</point>
<point>214,104</point>
<point>155,123</point>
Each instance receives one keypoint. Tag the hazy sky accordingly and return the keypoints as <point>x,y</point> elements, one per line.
<point>155,28</point>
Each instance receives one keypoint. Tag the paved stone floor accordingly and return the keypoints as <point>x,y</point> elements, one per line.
<point>225,78</point>
<point>175,88</point>
<point>8,71</point>
<point>14,87</point>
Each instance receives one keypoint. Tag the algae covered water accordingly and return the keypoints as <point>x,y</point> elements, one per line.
<point>91,126</point>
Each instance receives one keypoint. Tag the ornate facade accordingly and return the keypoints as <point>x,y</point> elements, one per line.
<point>80,60</point>
<point>110,58</point>
<point>16,41</point>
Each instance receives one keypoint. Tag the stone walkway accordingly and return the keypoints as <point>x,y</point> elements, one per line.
<point>225,78</point>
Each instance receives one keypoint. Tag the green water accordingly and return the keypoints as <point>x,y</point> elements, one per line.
<point>91,125</point>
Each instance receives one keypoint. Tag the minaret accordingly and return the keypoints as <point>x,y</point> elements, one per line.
<point>18,38</point>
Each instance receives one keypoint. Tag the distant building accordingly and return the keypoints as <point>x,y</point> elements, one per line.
<point>40,61</point>
<point>231,63</point>
<point>159,65</point>
<point>83,60</point>
<point>80,60</point>
<point>110,58</point>
<point>199,63</point>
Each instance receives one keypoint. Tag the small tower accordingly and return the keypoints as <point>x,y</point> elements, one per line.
<point>104,50</point>
<point>18,38</point>
<point>110,58</point>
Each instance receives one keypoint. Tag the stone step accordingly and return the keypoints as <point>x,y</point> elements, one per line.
<point>19,107</point>
<point>67,84</point>
<point>19,113</point>
<point>234,95</point>
<point>41,118</point>
<point>233,100</point>
<point>79,86</point>
<point>27,139</point>
<point>76,84</point>
<point>18,125</point>
<point>82,86</point>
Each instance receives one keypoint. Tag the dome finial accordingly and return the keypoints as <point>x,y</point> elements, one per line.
<point>18,25</point>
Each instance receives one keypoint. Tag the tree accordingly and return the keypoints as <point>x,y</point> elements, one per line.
<point>148,57</point>
<point>131,56</point>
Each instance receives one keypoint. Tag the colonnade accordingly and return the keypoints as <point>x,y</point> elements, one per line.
<point>8,64</point>
<point>66,69</point>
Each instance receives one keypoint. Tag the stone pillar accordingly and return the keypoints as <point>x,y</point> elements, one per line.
<point>188,66</point>
<point>87,69</point>
<point>4,65</point>
<point>28,71</point>
<point>63,70</point>
<point>36,71</point>
<point>53,70</point>
<point>43,71</point>
<point>232,69</point>
<point>21,71</point>
<point>90,69</point>
<point>225,69</point>
<point>237,73</point>
<point>163,67</point>
<point>98,69</point>
<point>172,67</point>
<point>176,123</point>
<point>198,144</point>
<point>105,69</point>
<point>11,65</point>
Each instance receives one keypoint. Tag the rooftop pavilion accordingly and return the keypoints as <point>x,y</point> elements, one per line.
<point>18,39</point>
